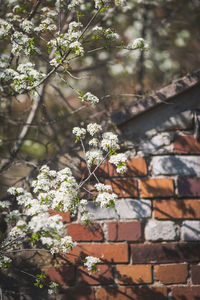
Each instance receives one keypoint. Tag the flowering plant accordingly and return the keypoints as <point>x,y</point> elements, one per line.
<point>40,31</point>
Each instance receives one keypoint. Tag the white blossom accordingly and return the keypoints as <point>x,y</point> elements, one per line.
<point>52,288</point>
<point>103,187</point>
<point>89,97</point>
<point>15,191</point>
<point>90,263</point>
<point>119,160</point>
<point>106,199</point>
<point>5,28</point>
<point>27,26</point>
<point>138,43</point>
<point>79,132</point>
<point>77,48</point>
<point>93,128</point>
<point>4,261</point>
<point>94,157</point>
<point>109,141</point>
<point>101,3</point>
<point>93,142</point>
<point>74,3</point>
<point>97,28</point>
<point>111,34</point>
<point>4,204</point>
<point>53,62</point>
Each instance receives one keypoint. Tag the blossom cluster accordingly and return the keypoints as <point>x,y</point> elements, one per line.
<point>90,262</point>
<point>108,142</point>
<point>25,77</point>
<point>51,190</point>
<point>119,160</point>
<point>105,197</point>
<point>138,43</point>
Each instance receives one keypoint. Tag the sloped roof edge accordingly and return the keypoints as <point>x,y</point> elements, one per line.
<point>161,96</point>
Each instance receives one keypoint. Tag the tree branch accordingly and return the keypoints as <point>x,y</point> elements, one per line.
<point>25,129</point>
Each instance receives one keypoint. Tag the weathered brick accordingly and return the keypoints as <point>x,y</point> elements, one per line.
<point>161,187</point>
<point>106,252</point>
<point>133,209</point>
<point>124,231</point>
<point>165,253</point>
<point>65,215</point>
<point>63,275</point>
<point>81,232</point>
<point>190,230</point>
<point>78,293</point>
<point>186,144</point>
<point>176,165</point>
<point>160,230</point>
<point>188,187</point>
<point>174,273</point>
<point>103,276</point>
<point>135,293</point>
<point>195,273</point>
<point>177,209</point>
<point>186,293</point>
<point>124,187</point>
<point>128,274</point>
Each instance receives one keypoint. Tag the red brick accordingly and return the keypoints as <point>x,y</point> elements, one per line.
<point>63,275</point>
<point>81,232</point>
<point>103,276</point>
<point>107,170</point>
<point>124,231</point>
<point>186,293</point>
<point>188,187</point>
<point>162,187</point>
<point>174,273</point>
<point>177,209</point>
<point>106,252</point>
<point>78,293</point>
<point>165,253</point>
<point>124,187</point>
<point>65,215</point>
<point>129,274</point>
<point>195,273</point>
<point>136,166</point>
<point>186,144</point>
<point>134,293</point>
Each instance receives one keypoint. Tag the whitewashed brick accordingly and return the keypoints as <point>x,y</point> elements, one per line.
<point>133,209</point>
<point>190,230</point>
<point>126,209</point>
<point>101,213</point>
<point>172,165</point>
<point>160,143</point>
<point>160,230</point>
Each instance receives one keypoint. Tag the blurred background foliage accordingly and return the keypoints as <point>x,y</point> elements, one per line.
<point>117,77</point>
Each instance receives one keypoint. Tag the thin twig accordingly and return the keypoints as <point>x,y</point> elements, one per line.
<point>92,173</point>
<point>22,250</point>
<point>83,147</point>
<point>34,10</point>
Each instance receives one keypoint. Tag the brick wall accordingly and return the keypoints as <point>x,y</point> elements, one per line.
<point>150,246</point>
